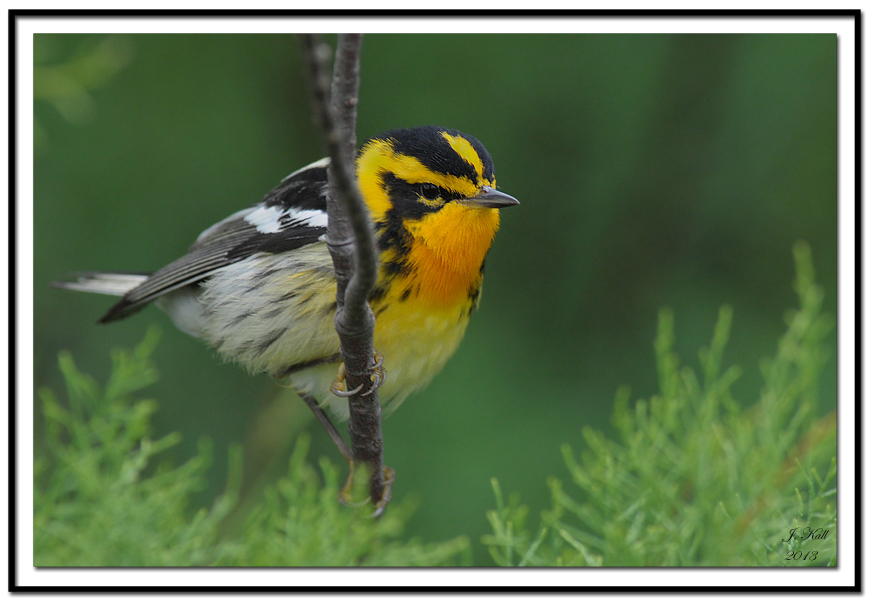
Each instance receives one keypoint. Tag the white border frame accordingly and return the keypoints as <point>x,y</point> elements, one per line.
<point>844,575</point>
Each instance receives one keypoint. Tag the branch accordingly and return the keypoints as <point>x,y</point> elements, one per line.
<point>350,239</point>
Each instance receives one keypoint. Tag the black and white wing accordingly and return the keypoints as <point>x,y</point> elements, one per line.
<point>291,216</point>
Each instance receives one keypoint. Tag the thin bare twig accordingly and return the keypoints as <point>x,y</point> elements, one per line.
<point>350,239</point>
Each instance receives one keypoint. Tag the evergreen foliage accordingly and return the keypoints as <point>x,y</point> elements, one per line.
<point>695,476</point>
<point>102,498</point>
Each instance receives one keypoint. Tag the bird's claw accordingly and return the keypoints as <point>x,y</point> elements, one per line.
<point>346,492</point>
<point>335,389</point>
<point>381,505</point>
<point>379,373</point>
<point>378,377</point>
<point>338,386</point>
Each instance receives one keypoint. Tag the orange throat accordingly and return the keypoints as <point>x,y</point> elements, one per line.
<point>446,257</point>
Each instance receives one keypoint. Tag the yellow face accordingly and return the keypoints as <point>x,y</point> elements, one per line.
<point>431,193</point>
<point>382,157</point>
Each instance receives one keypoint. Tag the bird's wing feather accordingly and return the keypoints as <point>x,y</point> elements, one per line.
<point>291,216</point>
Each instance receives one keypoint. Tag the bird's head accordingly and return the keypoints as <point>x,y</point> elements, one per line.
<point>436,185</point>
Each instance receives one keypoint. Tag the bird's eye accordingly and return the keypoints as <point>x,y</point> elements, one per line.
<point>429,191</point>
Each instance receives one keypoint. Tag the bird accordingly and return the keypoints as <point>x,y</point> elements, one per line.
<point>259,286</point>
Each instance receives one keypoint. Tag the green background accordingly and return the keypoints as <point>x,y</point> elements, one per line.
<point>653,170</point>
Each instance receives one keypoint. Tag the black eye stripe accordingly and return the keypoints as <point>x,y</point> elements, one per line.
<point>408,198</point>
<point>430,191</point>
<point>405,197</point>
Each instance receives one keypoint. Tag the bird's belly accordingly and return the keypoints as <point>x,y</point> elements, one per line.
<point>275,312</point>
<point>415,342</point>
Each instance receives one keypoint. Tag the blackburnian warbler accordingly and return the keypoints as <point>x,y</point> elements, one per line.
<point>259,286</point>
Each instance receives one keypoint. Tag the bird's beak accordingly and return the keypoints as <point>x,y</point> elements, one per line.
<point>492,198</point>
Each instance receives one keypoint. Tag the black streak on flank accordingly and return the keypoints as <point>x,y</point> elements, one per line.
<point>474,293</point>
<point>306,299</point>
<point>275,312</point>
<point>311,363</point>
<point>392,234</point>
<point>396,267</point>
<point>290,296</point>
<point>260,278</point>
<point>238,319</point>
<point>274,336</point>
<point>378,292</point>
<point>474,298</point>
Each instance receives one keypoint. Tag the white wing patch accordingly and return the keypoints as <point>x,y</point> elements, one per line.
<point>267,219</point>
<point>275,218</point>
<point>272,219</point>
<point>308,218</point>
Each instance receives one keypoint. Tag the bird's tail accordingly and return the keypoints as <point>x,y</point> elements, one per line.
<point>112,284</point>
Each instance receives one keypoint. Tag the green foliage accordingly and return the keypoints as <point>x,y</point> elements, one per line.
<point>101,499</point>
<point>696,478</point>
<point>301,523</point>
